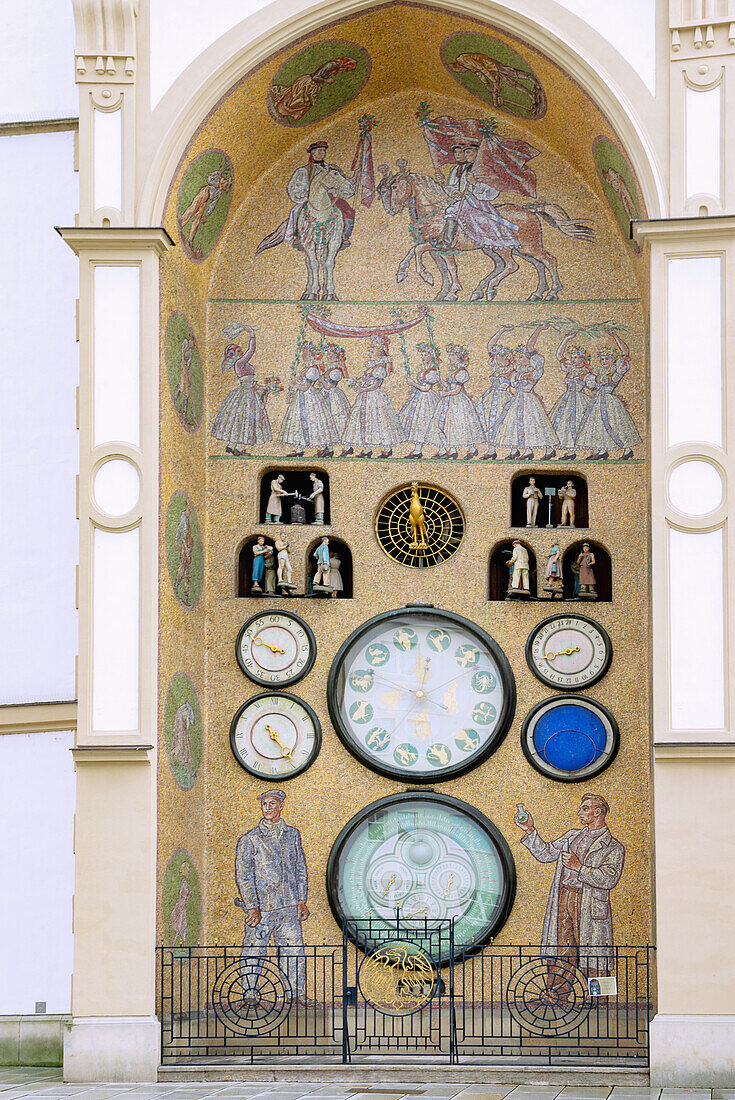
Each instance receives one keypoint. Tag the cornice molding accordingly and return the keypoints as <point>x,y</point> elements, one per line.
<point>721,227</point>
<point>112,754</point>
<point>38,717</point>
<point>116,239</point>
<point>694,750</point>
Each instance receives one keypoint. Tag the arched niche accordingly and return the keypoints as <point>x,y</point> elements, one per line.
<point>340,573</point>
<point>245,563</point>
<point>296,480</point>
<point>543,481</point>
<point>602,571</point>
<point>499,578</point>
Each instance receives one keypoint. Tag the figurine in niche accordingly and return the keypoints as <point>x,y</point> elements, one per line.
<point>335,577</point>
<point>285,573</point>
<point>553,576</point>
<point>567,496</point>
<point>317,496</point>
<point>575,579</point>
<point>587,583</point>
<point>323,567</point>
<point>269,561</point>
<point>532,495</point>
<point>259,552</point>
<point>520,570</point>
<point>274,510</point>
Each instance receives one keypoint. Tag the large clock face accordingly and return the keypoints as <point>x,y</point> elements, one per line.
<point>275,648</point>
<point>569,652</point>
<point>426,859</point>
<point>421,694</point>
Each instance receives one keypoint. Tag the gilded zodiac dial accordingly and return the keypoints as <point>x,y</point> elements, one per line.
<point>421,694</point>
<point>569,652</point>
<point>419,525</point>
<point>275,648</point>
<point>275,735</point>
<point>426,859</point>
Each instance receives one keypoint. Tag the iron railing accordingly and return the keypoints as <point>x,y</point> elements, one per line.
<point>528,1005</point>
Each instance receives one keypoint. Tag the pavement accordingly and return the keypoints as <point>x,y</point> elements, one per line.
<point>18,1082</point>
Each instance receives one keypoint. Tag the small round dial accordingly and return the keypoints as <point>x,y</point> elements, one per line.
<point>569,652</point>
<point>275,648</point>
<point>275,735</point>
<point>570,738</point>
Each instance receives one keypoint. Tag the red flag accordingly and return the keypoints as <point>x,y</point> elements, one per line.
<point>500,162</point>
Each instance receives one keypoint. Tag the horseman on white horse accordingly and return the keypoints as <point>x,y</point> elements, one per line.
<point>321,220</point>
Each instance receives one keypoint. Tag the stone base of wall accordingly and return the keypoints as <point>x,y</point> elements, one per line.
<point>693,1051</point>
<point>32,1040</point>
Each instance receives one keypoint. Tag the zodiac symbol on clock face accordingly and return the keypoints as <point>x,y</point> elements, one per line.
<point>467,656</point>
<point>362,680</point>
<point>438,755</point>
<point>439,640</point>
<point>377,739</point>
<point>483,682</point>
<point>405,754</point>
<point>377,654</point>
<point>468,740</point>
<point>484,713</point>
<point>361,711</point>
<point>405,639</point>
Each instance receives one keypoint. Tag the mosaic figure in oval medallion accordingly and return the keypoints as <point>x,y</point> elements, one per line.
<point>203,202</point>
<point>619,185</point>
<point>495,73</point>
<point>182,729</point>
<point>184,371</point>
<point>184,551</point>
<point>181,902</point>
<point>317,81</point>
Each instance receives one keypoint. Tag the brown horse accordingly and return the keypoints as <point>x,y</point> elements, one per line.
<point>425,200</point>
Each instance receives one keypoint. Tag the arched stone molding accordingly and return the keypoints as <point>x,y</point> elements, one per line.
<point>565,39</point>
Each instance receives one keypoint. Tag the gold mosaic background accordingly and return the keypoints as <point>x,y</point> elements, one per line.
<point>602,280</point>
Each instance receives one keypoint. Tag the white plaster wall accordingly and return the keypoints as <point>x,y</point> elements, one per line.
<point>38,442</point>
<point>179,32</point>
<point>37,60</point>
<point>36,871</point>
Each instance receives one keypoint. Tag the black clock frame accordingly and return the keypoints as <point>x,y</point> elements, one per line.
<point>348,921</point>
<point>582,618</point>
<point>505,719</point>
<point>282,695</point>
<point>592,704</point>
<point>291,679</point>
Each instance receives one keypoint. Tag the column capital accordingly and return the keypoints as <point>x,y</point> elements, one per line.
<point>682,229</point>
<point>116,239</point>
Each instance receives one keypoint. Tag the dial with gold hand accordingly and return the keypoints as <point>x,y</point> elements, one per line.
<point>272,648</point>
<point>274,736</point>
<point>449,885</point>
<point>391,880</point>
<point>561,653</point>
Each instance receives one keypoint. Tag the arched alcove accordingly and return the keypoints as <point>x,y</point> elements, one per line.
<point>544,481</point>
<point>340,579</point>
<point>602,571</point>
<point>499,572</point>
<point>302,485</point>
<point>245,568</point>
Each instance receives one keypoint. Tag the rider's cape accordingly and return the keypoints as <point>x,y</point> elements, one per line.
<point>288,230</point>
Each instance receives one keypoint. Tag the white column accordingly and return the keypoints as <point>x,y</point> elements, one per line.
<point>692,466</point>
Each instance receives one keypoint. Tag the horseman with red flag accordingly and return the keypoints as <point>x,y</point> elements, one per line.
<point>483,166</point>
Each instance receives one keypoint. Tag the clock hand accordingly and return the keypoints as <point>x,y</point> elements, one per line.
<point>390,883</point>
<point>449,885</point>
<point>285,751</point>
<point>459,676</point>
<point>561,653</point>
<point>272,648</point>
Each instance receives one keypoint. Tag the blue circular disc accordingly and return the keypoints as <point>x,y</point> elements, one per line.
<point>569,737</point>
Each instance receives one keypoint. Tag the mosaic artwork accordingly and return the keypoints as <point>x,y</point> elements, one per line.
<point>181,901</point>
<point>184,550</point>
<point>184,371</point>
<point>182,730</point>
<point>619,186</point>
<point>317,81</point>
<point>202,203</point>
<point>495,73</point>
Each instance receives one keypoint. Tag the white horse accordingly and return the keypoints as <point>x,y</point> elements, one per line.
<point>320,226</point>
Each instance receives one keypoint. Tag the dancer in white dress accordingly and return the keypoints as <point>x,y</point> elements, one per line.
<point>455,423</point>
<point>373,421</point>
<point>334,371</point>
<point>607,422</point>
<point>492,404</point>
<point>242,420</point>
<point>524,425</point>
<point>307,421</point>
<point>420,406</point>
<point>569,409</point>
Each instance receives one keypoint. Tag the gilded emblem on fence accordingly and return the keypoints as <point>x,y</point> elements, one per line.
<point>397,978</point>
